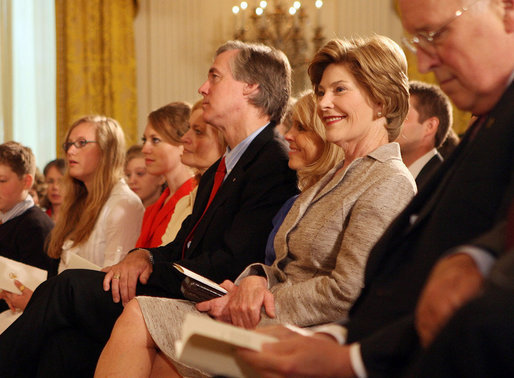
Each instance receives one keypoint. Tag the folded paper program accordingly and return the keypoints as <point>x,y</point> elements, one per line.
<point>28,275</point>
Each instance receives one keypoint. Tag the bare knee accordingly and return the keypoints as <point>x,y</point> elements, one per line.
<point>131,325</point>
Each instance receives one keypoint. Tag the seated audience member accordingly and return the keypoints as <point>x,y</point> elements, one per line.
<point>100,216</point>
<point>54,176</point>
<point>38,189</point>
<point>23,226</point>
<point>203,146</point>
<point>434,257</point>
<point>424,130</point>
<point>309,169</point>
<point>148,187</point>
<point>245,94</point>
<point>449,145</point>
<point>331,226</point>
<point>163,150</point>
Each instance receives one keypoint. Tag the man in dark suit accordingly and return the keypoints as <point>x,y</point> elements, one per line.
<point>478,341</point>
<point>424,130</point>
<point>456,221</point>
<point>69,318</point>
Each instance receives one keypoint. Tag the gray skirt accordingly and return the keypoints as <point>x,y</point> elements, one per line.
<point>164,318</point>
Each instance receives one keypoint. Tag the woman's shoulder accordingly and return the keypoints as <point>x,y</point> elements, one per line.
<point>122,195</point>
<point>122,190</point>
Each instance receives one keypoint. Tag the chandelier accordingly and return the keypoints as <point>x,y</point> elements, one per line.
<point>285,27</point>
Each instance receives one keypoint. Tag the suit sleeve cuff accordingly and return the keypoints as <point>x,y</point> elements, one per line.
<point>356,360</point>
<point>335,330</point>
<point>481,257</point>
<point>256,269</point>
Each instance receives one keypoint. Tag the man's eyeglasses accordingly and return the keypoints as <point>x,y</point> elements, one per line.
<point>427,40</point>
<point>79,143</point>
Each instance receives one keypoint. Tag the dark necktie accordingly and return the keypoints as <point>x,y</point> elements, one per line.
<point>218,180</point>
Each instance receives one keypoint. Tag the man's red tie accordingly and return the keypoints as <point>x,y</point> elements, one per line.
<point>218,180</point>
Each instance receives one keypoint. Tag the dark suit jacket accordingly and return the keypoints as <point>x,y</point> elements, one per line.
<point>233,232</point>
<point>464,202</point>
<point>478,341</point>
<point>428,169</point>
<point>22,238</point>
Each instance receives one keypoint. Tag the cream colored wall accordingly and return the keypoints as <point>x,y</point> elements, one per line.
<point>176,39</point>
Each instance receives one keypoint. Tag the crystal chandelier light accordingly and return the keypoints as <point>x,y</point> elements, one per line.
<point>286,26</point>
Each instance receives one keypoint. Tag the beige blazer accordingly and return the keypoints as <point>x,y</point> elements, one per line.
<point>324,241</point>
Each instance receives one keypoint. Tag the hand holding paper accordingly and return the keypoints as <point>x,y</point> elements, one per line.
<point>298,355</point>
<point>18,301</point>
<point>210,346</point>
<point>11,270</point>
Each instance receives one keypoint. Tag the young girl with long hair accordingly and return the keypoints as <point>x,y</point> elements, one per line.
<point>100,216</point>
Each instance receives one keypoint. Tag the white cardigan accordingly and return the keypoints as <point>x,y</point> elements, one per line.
<point>116,230</point>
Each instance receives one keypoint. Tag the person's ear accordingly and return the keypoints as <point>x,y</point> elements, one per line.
<point>28,180</point>
<point>430,126</point>
<point>249,89</point>
<point>508,17</point>
<point>378,110</point>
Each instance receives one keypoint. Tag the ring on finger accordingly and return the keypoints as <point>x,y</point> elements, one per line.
<point>22,288</point>
<point>116,276</point>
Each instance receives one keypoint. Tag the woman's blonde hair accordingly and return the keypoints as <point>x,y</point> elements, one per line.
<point>379,67</point>
<point>80,207</point>
<point>304,113</point>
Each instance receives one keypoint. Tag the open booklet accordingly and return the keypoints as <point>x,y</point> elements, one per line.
<point>209,345</point>
<point>198,288</point>
<point>28,275</point>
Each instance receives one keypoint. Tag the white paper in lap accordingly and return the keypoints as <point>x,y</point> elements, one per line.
<point>28,275</point>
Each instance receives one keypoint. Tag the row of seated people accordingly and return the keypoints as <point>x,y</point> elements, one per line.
<point>428,114</point>
<point>379,185</point>
<point>321,246</point>
<point>115,221</point>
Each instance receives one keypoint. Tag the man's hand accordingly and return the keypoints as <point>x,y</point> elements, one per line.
<point>122,278</point>
<point>453,282</point>
<point>242,306</point>
<point>18,301</point>
<point>297,355</point>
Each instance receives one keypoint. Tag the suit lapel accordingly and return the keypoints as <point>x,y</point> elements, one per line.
<point>296,213</point>
<point>428,169</point>
<point>230,183</point>
<point>415,213</point>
